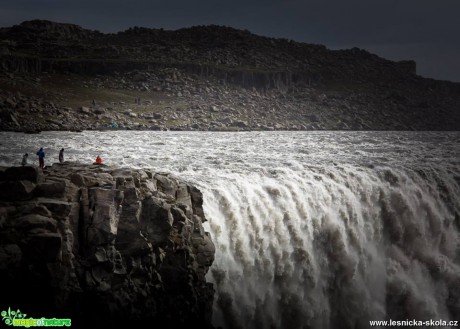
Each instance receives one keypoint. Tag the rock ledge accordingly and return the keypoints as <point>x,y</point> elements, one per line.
<point>104,245</point>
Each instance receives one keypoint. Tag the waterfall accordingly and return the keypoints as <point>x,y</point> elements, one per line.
<point>335,246</point>
<point>312,229</point>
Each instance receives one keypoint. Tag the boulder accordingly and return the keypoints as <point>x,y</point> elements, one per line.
<point>16,190</point>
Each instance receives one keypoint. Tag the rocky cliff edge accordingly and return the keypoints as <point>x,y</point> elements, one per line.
<point>104,245</point>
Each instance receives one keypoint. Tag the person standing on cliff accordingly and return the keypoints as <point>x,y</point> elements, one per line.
<point>61,155</point>
<point>24,159</point>
<point>41,158</point>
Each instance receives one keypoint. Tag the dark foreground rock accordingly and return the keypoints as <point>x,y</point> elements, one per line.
<point>105,246</point>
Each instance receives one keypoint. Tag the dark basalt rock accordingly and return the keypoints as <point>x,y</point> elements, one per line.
<point>114,247</point>
<point>210,78</point>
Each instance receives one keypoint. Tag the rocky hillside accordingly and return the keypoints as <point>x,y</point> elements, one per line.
<point>61,76</point>
<point>104,245</point>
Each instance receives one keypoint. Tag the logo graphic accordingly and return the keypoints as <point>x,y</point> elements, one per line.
<point>10,316</point>
<point>18,319</point>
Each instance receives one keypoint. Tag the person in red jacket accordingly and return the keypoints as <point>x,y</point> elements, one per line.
<point>98,160</point>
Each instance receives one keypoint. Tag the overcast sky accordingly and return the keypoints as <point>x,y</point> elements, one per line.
<point>427,31</point>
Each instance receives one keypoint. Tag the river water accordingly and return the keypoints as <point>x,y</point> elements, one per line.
<point>312,229</point>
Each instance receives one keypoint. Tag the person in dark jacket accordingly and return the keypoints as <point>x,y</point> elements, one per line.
<point>61,155</point>
<point>24,159</point>
<point>41,158</point>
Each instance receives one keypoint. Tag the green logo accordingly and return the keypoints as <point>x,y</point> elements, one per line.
<point>18,319</point>
<point>10,316</point>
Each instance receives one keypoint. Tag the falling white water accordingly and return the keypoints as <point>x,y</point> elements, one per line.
<point>312,230</point>
<point>335,247</point>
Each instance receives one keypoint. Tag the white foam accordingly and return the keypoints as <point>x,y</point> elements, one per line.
<point>318,230</point>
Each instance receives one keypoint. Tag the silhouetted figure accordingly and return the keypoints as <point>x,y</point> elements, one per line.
<point>41,158</point>
<point>61,155</point>
<point>24,159</point>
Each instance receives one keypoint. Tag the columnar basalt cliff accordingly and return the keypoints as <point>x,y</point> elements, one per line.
<point>104,245</point>
<point>207,78</point>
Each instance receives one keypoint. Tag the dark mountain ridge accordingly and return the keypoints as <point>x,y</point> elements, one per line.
<point>340,89</point>
<point>205,45</point>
